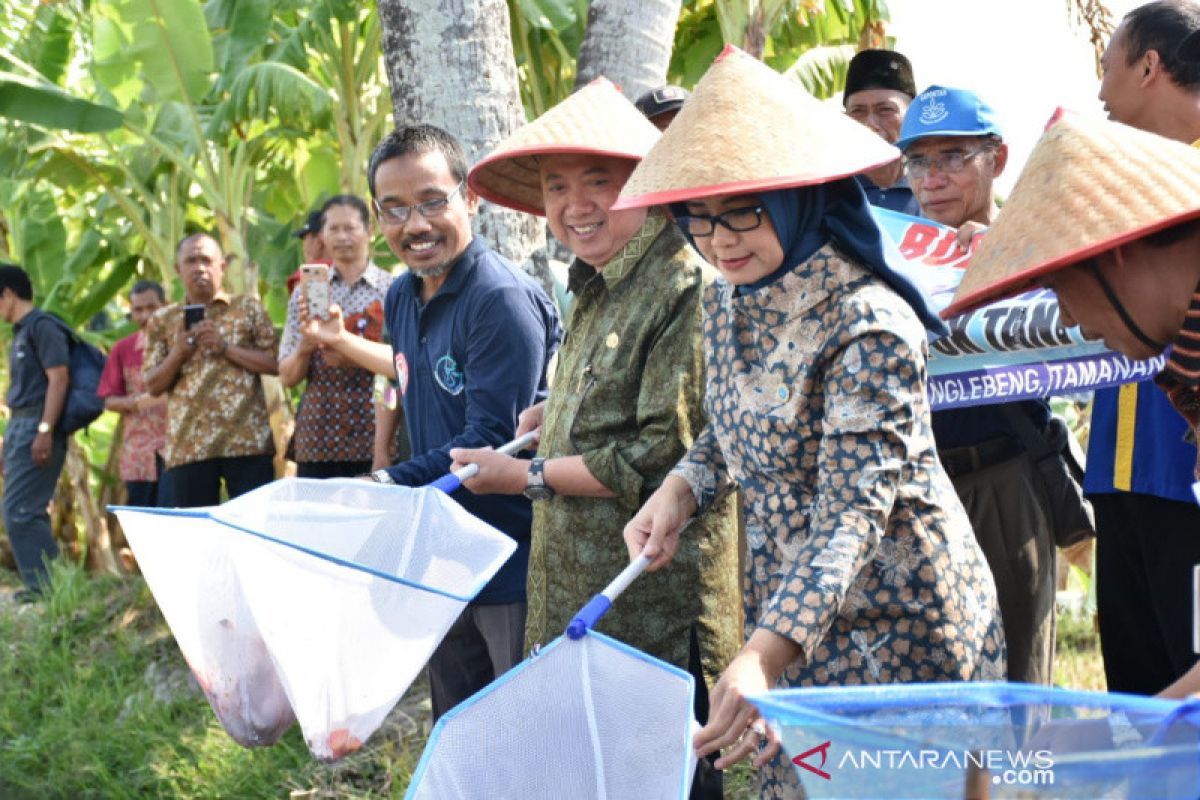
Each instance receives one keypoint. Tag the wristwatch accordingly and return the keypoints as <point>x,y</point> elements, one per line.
<point>536,487</point>
<point>44,427</point>
<point>382,476</point>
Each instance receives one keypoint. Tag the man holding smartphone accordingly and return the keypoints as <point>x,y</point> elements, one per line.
<point>336,423</point>
<point>471,338</point>
<point>217,423</point>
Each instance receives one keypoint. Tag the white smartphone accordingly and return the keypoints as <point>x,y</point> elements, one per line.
<point>314,282</point>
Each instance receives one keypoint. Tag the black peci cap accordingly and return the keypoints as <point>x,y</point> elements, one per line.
<point>661,100</point>
<point>879,69</point>
<point>311,225</point>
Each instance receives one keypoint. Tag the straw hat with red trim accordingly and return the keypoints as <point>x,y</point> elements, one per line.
<point>1089,186</point>
<point>746,128</point>
<point>597,120</point>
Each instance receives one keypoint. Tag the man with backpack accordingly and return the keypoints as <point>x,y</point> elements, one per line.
<point>35,446</point>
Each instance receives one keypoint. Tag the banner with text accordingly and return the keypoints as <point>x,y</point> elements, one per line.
<point>1014,349</point>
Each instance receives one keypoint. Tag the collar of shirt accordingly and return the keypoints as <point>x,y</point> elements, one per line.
<point>23,321</point>
<point>1183,363</point>
<point>1180,378</point>
<point>621,265</point>
<point>221,296</point>
<point>457,277</point>
<point>867,183</point>
<point>373,276</point>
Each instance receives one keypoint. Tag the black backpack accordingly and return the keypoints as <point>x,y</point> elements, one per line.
<point>84,366</point>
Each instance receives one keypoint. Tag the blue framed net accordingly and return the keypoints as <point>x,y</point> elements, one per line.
<point>587,719</point>
<point>997,740</point>
<point>317,601</point>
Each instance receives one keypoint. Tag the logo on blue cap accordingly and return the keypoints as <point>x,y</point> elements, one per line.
<point>933,112</point>
<point>942,111</point>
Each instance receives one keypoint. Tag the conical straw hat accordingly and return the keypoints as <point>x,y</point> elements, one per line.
<point>748,128</point>
<point>597,119</point>
<point>1089,186</point>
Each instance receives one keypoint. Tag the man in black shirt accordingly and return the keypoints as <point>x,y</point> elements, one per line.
<point>34,446</point>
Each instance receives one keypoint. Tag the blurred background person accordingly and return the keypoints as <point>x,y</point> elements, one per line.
<point>335,433</point>
<point>144,431</point>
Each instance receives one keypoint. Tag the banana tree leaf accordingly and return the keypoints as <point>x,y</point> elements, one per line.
<point>822,70</point>
<point>47,105</point>
<point>320,174</point>
<point>552,15</point>
<point>61,167</point>
<point>171,43</point>
<point>272,90</point>
<point>61,295</point>
<point>241,29</point>
<point>52,50</point>
<point>98,295</point>
<point>40,238</point>
<point>115,73</point>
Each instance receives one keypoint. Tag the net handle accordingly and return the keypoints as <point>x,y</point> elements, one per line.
<point>452,480</point>
<point>598,606</point>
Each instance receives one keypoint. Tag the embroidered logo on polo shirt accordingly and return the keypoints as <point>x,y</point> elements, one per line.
<point>448,375</point>
<point>402,373</point>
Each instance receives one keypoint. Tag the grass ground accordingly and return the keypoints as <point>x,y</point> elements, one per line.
<point>96,702</point>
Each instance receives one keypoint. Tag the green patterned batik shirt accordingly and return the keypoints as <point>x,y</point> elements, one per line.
<point>627,396</point>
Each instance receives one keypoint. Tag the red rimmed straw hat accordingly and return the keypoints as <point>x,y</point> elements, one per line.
<point>1089,185</point>
<point>746,128</point>
<point>597,120</point>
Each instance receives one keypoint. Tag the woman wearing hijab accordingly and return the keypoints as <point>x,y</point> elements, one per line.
<point>862,567</point>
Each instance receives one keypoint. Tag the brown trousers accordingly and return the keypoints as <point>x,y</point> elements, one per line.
<point>1008,510</point>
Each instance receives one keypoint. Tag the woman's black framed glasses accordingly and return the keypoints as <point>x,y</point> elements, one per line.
<point>738,220</point>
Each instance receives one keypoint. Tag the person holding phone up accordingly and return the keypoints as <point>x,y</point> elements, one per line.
<point>336,425</point>
<point>207,361</point>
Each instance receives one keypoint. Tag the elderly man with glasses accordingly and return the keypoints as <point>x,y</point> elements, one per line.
<point>471,338</point>
<point>953,151</point>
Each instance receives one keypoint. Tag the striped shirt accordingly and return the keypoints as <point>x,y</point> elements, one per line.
<point>1181,377</point>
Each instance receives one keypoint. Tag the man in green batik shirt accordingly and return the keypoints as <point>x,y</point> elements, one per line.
<point>626,400</point>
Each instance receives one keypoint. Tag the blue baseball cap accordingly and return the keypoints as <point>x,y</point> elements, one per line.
<point>941,111</point>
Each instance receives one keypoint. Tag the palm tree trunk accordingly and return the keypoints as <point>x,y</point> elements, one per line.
<point>450,63</point>
<point>629,42</point>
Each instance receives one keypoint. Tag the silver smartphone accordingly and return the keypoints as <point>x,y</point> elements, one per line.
<point>314,282</point>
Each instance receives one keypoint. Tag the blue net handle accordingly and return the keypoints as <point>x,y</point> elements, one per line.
<point>598,606</point>
<point>452,480</point>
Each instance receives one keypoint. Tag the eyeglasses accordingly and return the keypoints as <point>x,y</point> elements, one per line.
<point>946,163</point>
<point>738,220</point>
<point>398,215</point>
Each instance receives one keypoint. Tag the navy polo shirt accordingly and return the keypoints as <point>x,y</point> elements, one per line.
<point>38,343</point>
<point>467,363</point>
<point>898,197</point>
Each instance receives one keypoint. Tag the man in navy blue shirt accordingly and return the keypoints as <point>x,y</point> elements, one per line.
<point>34,445</point>
<point>471,339</point>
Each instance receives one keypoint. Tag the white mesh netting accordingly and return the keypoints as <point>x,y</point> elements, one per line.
<point>321,599</point>
<point>587,719</point>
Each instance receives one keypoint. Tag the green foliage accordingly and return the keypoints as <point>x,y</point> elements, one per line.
<point>226,116</point>
<point>546,39</point>
<point>812,40</point>
<point>46,105</point>
<point>79,716</point>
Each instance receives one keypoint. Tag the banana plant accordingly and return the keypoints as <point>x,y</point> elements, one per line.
<point>813,39</point>
<point>546,37</point>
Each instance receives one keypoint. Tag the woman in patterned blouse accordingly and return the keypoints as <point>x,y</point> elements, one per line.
<point>861,564</point>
